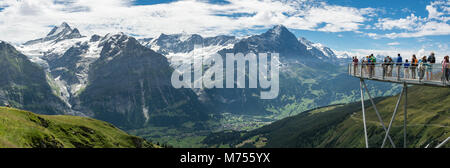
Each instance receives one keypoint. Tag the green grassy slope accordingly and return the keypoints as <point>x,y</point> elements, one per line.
<point>341,125</point>
<point>428,121</point>
<point>23,129</point>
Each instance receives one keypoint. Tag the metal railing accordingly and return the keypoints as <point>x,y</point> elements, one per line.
<point>425,74</point>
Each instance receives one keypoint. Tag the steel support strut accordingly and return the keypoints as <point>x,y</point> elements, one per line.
<point>378,114</point>
<point>392,118</point>
<point>363,112</point>
<point>443,142</point>
<point>405,114</point>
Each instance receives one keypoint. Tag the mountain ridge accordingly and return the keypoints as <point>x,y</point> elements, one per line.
<point>58,33</point>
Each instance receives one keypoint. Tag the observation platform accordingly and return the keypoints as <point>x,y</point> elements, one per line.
<point>429,74</point>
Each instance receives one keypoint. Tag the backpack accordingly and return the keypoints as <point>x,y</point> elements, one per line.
<point>414,61</point>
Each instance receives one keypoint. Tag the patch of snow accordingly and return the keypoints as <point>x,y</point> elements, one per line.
<point>58,30</point>
<point>144,107</point>
<point>63,91</point>
<point>184,37</point>
<point>176,59</point>
<point>38,51</point>
<point>277,29</point>
<point>318,45</point>
<point>93,51</point>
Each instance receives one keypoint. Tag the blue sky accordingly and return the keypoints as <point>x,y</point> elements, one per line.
<point>355,27</point>
<point>389,9</point>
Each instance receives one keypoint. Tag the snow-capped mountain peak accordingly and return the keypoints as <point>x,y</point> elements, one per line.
<point>319,50</point>
<point>279,32</point>
<point>116,38</point>
<point>182,44</point>
<point>64,28</point>
<point>66,55</point>
<point>309,45</point>
<point>57,34</point>
<point>278,29</point>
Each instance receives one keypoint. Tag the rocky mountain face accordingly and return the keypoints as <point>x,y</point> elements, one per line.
<point>113,78</point>
<point>24,84</point>
<point>310,75</point>
<point>130,85</point>
<point>178,48</point>
<point>184,43</point>
<point>301,77</point>
<point>278,39</point>
<point>67,59</point>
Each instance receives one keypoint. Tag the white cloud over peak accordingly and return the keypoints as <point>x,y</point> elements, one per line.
<point>29,19</point>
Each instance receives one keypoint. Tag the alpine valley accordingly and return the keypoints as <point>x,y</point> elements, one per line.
<point>126,81</point>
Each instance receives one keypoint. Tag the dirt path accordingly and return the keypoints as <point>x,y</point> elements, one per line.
<point>387,123</point>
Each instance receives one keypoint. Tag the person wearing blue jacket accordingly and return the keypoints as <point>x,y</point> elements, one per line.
<point>406,67</point>
<point>399,64</point>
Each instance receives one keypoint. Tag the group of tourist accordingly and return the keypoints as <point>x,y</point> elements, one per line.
<point>367,64</point>
<point>413,68</point>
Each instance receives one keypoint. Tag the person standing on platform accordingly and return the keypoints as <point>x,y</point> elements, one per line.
<point>445,68</point>
<point>406,67</point>
<point>431,61</point>
<point>422,67</point>
<point>355,65</point>
<point>414,62</point>
<point>399,65</point>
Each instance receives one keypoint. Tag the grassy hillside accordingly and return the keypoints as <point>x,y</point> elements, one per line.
<point>341,125</point>
<point>428,121</point>
<point>23,129</point>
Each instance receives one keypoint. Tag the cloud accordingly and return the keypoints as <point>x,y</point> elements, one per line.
<point>409,23</point>
<point>436,23</point>
<point>433,8</point>
<point>372,35</point>
<point>431,28</point>
<point>29,19</point>
<point>337,18</point>
<point>393,43</point>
